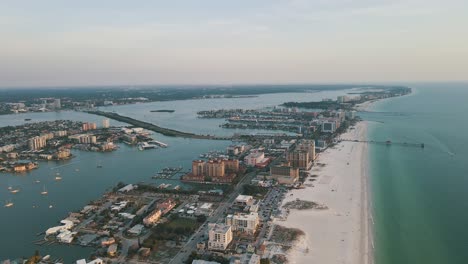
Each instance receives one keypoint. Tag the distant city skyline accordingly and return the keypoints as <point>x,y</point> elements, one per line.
<point>58,43</point>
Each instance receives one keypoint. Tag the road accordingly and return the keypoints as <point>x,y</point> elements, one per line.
<point>197,237</point>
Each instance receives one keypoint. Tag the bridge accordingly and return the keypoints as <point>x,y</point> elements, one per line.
<point>387,142</point>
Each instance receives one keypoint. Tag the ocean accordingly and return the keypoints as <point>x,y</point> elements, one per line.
<point>419,195</point>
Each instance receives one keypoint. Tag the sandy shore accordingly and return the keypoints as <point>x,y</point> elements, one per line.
<point>341,233</point>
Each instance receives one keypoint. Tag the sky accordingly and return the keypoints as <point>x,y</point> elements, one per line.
<point>115,42</point>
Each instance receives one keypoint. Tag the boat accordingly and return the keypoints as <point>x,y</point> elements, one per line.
<point>51,206</point>
<point>27,119</point>
<point>8,204</point>
<point>14,191</point>
<point>99,165</point>
<point>44,191</point>
<point>177,188</point>
<point>10,188</point>
<point>58,178</point>
<point>37,181</point>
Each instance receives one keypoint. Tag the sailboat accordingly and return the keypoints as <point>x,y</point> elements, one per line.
<point>44,191</point>
<point>99,165</point>
<point>8,204</point>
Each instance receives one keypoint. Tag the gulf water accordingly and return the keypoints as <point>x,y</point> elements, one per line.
<point>420,196</point>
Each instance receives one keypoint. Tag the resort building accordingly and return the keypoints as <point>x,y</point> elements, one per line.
<point>254,158</point>
<point>247,223</point>
<point>284,173</point>
<point>303,155</point>
<point>219,236</point>
<point>217,170</point>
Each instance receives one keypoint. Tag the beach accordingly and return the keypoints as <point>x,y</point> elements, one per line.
<point>341,233</point>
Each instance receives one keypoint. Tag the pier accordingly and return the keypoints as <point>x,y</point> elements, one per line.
<point>388,142</point>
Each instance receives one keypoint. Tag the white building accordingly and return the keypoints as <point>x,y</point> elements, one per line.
<point>105,123</point>
<point>329,126</point>
<point>243,222</point>
<point>219,236</point>
<point>351,115</point>
<point>244,200</point>
<point>96,261</point>
<point>254,157</point>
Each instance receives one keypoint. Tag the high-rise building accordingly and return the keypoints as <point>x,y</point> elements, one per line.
<point>329,127</point>
<point>302,155</point>
<point>105,123</point>
<point>37,143</point>
<point>88,126</point>
<point>57,103</point>
<point>284,174</point>
<point>243,222</point>
<point>219,236</point>
<point>214,168</point>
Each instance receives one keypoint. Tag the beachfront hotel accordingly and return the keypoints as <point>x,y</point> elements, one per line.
<point>247,223</point>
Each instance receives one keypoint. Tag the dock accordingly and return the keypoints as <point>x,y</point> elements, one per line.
<point>387,142</point>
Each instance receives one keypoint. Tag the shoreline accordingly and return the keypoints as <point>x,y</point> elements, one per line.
<point>343,233</point>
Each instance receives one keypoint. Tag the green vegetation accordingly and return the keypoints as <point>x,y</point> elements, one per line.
<point>194,255</point>
<point>175,230</point>
<point>253,190</point>
<point>161,130</point>
<point>327,105</point>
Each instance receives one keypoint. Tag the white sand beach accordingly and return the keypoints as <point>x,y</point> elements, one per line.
<point>339,234</point>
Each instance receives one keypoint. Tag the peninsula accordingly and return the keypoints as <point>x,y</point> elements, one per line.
<point>161,130</point>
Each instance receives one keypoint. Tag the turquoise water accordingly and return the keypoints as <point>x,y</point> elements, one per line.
<point>420,197</point>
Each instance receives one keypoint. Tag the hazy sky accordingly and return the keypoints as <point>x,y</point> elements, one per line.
<point>99,42</point>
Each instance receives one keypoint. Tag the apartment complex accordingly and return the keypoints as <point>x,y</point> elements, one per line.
<point>247,223</point>
<point>37,143</point>
<point>219,236</point>
<point>88,126</point>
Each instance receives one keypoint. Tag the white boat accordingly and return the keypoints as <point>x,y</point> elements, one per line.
<point>14,191</point>
<point>10,188</point>
<point>44,191</point>
<point>37,181</point>
<point>58,178</point>
<point>9,204</point>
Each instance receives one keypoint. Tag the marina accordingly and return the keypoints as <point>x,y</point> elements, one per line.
<point>168,173</point>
